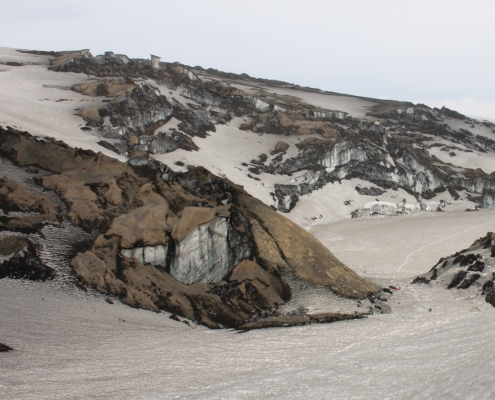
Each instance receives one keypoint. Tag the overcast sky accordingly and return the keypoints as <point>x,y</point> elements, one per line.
<point>435,52</point>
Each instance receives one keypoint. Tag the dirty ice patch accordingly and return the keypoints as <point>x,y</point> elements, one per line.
<point>338,200</point>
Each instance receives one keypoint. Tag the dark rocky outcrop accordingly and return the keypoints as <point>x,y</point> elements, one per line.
<point>297,320</point>
<point>472,268</point>
<point>4,348</point>
<point>371,191</point>
<point>18,260</point>
<point>190,243</point>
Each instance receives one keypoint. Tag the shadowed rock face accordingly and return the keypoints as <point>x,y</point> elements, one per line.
<point>193,244</point>
<point>18,260</point>
<point>472,270</point>
<point>4,348</point>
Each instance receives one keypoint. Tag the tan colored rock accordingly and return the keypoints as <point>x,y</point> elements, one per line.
<point>270,288</point>
<point>148,196</point>
<point>113,195</point>
<point>113,88</point>
<point>192,217</point>
<point>17,197</point>
<point>136,153</point>
<point>145,225</point>
<point>82,201</point>
<point>267,248</point>
<point>304,255</point>
<point>280,147</point>
<point>133,140</point>
<point>27,223</point>
<point>92,115</point>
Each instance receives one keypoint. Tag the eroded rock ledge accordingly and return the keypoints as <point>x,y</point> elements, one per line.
<point>189,243</point>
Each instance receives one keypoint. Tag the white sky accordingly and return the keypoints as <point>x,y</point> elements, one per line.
<point>436,52</point>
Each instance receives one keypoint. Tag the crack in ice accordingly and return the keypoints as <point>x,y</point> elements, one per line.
<point>439,241</point>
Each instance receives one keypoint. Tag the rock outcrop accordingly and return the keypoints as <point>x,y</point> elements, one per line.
<point>19,260</point>
<point>190,243</point>
<point>471,270</point>
<point>389,148</point>
<point>4,348</point>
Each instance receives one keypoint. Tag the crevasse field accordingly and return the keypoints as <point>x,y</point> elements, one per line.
<point>73,344</point>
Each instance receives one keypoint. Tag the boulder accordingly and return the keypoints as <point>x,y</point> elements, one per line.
<point>17,197</point>
<point>280,147</point>
<point>29,223</point>
<point>144,226</point>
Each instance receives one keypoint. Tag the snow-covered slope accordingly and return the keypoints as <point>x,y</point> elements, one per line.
<point>40,100</point>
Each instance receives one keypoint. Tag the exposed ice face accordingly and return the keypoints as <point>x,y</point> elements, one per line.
<point>208,253</point>
<point>154,255</point>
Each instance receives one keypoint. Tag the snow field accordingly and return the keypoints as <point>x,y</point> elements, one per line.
<point>73,345</point>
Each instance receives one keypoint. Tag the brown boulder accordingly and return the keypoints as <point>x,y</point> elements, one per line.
<point>280,147</point>
<point>27,224</point>
<point>17,197</point>
<point>144,226</point>
<point>249,274</point>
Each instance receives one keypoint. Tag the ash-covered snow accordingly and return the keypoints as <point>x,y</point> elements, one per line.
<point>223,152</point>
<point>71,344</point>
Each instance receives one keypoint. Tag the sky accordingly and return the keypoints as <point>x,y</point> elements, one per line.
<point>434,52</point>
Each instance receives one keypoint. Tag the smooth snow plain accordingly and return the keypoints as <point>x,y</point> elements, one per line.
<point>71,344</point>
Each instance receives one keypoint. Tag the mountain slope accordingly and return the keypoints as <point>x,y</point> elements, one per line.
<point>420,158</point>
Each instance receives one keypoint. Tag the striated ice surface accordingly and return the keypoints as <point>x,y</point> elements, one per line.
<point>208,253</point>
<point>320,299</point>
<point>154,255</point>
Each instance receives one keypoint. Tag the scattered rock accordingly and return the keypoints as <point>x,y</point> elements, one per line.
<point>472,269</point>
<point>4,348</point>
<point>16,197</point>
